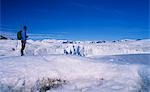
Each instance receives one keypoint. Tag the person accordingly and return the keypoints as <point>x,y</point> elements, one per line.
<point>23,39</point>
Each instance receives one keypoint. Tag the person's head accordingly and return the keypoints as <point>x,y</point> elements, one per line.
<point>25,28</point>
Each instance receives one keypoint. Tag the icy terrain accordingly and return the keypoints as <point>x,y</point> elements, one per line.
<point>81,48</point>
<point>79,66</point>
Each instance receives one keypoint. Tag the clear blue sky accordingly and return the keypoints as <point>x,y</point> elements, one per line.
<point>78,19</point>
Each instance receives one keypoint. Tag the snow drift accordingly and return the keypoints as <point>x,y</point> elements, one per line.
<point>82,74</point>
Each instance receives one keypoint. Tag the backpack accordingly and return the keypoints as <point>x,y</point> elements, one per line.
<point>19,35</point>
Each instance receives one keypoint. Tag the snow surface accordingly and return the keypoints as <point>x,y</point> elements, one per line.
<point>82,48</point>
<point>121,66</point>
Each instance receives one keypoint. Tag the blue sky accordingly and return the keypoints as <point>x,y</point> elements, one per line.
<point>77,19</point>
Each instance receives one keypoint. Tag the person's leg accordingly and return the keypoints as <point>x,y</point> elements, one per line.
<point>23,47</point>
<point>24,44</point>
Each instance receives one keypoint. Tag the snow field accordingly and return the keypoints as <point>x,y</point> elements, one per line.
<point>94,67</point>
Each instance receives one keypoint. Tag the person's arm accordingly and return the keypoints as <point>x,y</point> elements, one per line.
<point>26,35</point>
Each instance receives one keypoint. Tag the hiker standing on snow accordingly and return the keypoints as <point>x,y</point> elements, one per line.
<point>23,39</point>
